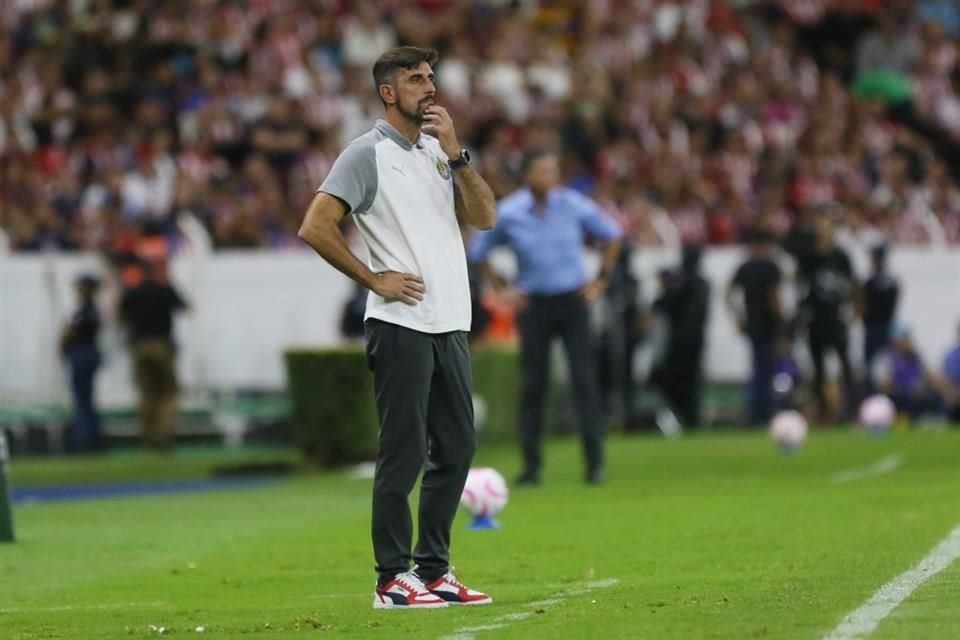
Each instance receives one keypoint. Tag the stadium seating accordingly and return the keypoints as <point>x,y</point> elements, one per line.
<point>689,121</point>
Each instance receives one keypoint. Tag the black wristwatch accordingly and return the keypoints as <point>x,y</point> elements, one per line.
<point>460,161</point>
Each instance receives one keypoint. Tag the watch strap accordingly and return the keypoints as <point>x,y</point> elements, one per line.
<point>460,161</point>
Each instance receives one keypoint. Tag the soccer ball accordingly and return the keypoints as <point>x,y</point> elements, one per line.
<point>485,493</point>
<point>877,414</point>
<point>788,429</point>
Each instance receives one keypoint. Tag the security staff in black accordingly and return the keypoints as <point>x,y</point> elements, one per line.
<point>619,339</point>
<point>148,310</point>
<point>79,347</point>
<point>758,280</point>
<point>881,292</point>
<point>830,287</point>
<point>686,307</point>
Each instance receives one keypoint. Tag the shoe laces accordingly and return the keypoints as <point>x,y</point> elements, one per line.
<point>411,581</point>
<point>452,579</point>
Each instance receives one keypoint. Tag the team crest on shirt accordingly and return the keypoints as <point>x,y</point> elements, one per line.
<point>443,169</point>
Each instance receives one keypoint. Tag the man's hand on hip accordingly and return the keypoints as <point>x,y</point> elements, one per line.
<point>593,290</point>
<point>405,287</point>
<point>513,297</point>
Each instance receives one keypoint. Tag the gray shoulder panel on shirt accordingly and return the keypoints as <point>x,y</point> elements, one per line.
<point>353,177</point>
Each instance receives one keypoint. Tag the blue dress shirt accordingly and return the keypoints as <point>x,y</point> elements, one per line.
<point>547,239</point>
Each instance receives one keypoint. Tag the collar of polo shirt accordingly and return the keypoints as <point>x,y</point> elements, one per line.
<point>391,132</point>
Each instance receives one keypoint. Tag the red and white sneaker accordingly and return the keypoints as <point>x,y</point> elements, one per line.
<point>405,591</point>
<point>453,591</point>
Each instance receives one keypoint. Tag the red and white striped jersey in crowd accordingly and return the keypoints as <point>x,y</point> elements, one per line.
<point>811,191</point>
<point>201,166</point>
<point>618,52</point>
<point>312,167</point>
<point>878,135</point>
<point>740,171</point>
<point>929,87</point>
<point>778,220</point>
<point>804,11</point>
<point>691,222</point>
<point>783,122</point>
<point>322,110</point>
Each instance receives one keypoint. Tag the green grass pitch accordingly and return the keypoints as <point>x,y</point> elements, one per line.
<point>715,535</point>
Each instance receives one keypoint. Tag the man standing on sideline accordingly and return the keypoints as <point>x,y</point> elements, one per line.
<point>546,226</point>
<point>79,347</point>
<point>881,293</point>
<point>685,305</point>
<point>148,310</point>
<point>830,289</point>
<point>407,182</point>
<point>619,340</point>
<point>759,318</point>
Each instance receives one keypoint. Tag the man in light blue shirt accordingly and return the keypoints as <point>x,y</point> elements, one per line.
<point>547,225</point>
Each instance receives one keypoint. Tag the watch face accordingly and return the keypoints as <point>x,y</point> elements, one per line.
<point>462,160</point>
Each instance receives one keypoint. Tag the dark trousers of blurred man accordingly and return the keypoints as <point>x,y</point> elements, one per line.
<point>761,379</point>
<point>547,316</point>
<point>680,378</point>
<point>876,338</point>
<point>83,361</point>
<point>820,341</point>
<point>155,373</point>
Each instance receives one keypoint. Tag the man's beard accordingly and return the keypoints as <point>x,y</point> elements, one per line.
<point>416,117</point>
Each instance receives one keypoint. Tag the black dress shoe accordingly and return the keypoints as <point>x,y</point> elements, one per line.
<point>596,477</point>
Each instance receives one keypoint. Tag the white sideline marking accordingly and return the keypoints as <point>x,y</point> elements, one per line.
<point>467,633</point>
<point>878,468</point>
<point>513,617</point>
<point>590,586</point>
<point>544,603</point>
<point>85,607</point>
<point>865,619</point>
<point>482,627</point>
<point>602,584</point>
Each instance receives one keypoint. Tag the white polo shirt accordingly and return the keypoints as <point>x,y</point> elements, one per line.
<point>401,197</point>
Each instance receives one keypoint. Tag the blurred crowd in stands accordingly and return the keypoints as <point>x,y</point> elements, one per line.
<point>689,121</point>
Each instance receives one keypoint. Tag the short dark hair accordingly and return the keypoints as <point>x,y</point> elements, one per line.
<point>879,251</point>
<point>88,281</point>
<point>691,254</point>
<point>530,156</point>
<point>392,60</point>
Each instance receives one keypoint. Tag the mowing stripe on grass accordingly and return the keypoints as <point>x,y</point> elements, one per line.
<point>323,596</point>
<point>878,468</point>
<point>86,607</point>
<point>467,633</point>
<point>866,618</point>
<point>62,493</point>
